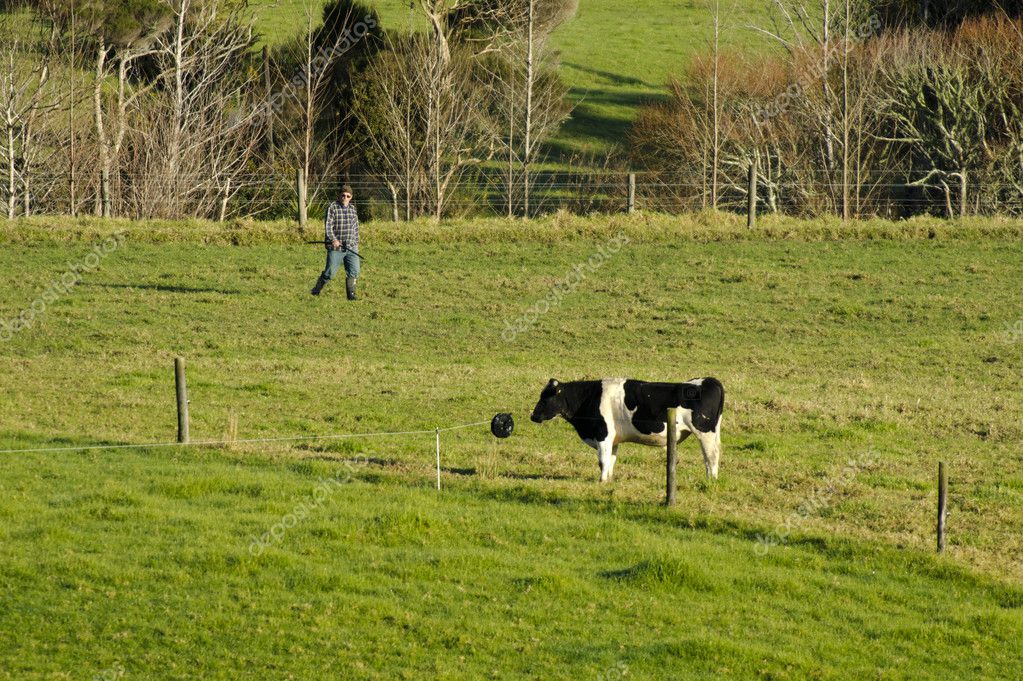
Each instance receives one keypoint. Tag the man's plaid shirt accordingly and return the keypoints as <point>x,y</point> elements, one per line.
<point>342,225</point>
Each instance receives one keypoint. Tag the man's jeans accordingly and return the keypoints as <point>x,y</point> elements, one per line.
<point>334,260</point>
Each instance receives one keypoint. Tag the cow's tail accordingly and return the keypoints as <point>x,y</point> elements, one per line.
<point>712,403</point>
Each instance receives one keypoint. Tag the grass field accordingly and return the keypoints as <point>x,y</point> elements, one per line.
<point>889,353</point>
<point>615,56</point>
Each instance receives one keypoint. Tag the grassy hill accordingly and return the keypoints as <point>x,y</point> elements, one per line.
<point>138,564</point>
<point>888,349</point>
<point>615,55</point>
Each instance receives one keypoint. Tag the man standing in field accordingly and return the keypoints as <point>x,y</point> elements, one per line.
<point>341,237</point>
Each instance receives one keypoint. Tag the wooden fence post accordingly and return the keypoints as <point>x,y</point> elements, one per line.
<point>631,205</point>
<point>182,393</point>
<point>751,211</point>
<point>669,496</point>
<point>942,505</point>
<point>303,215</point>
<point>437,433</point>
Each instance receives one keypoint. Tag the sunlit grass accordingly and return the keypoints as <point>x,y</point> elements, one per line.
<point>829,350</point>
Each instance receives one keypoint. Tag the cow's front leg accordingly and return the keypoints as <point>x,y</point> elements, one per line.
<point>606,457</point>
<point>614,460</point>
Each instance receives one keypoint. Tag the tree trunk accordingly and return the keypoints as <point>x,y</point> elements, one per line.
<point>511,150</point>
<point>408,157</point>
<point>962,193</point>
<point>174,155</point>
<point>26,193</point>
<point>71,117</point>
<point>845,118</point>
<point>101,136</point>
<point>11,194</point>
<point>269,112</point>
<point>310,104</point>
<point>715,152</point>
<point>527,150</point>
<point>224,199</point>
<point>438,208</point>
<point>829,142</point>
<point>394,200</point>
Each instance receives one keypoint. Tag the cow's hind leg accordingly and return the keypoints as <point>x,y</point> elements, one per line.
<point>711,448</point>
<point>606,456</point>
<point>717,447</point>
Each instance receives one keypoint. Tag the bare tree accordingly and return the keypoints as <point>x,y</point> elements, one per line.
<point>545,113</point>
<point>528,100</point>
<point>318,53</point>
<point>846,118</point>
<point>804,29</point>
<point>121,36</point>
<point>715,106</point>
<point>456,128</point>
<point>25,97</point>
<point>392,111</point>
<point>195,135</point>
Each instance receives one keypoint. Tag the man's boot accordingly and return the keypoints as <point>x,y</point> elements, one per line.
<point>350,287</point>
<point>320,283</point>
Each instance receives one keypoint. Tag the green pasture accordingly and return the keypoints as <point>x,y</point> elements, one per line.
<point>853,362</point>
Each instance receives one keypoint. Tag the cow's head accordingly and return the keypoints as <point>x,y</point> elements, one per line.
<point>551,403</point>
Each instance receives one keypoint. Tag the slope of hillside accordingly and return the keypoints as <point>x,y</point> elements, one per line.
<point>615,55</point>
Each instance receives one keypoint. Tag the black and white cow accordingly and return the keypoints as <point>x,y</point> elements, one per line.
<point>614,410</point>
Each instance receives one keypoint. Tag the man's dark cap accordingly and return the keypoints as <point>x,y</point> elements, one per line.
<point>347,189</point>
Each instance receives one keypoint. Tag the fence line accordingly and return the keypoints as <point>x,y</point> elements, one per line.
<point>493,192</point>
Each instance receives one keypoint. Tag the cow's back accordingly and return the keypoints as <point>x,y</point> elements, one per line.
<point>638,409</point>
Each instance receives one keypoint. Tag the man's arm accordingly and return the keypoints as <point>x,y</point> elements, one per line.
<point>330,229</point>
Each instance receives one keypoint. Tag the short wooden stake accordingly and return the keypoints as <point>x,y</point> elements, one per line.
<point>669,497</point>
<point>437,433</point>
<point>942,505</point>
<point>182,393</point>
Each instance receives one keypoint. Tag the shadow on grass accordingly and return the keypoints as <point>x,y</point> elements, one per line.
<point>165,288</point>
<point>465,472</point>
<point>665,571</point>
<point>357,461</point>
<point>535,476</point>
<point>609,77</point>
<point>31,441</point>
<point>601,117</point>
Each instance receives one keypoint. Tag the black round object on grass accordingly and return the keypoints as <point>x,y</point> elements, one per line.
<point>502,425</point>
